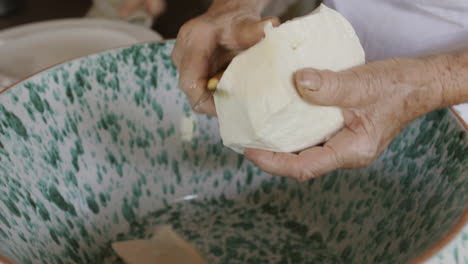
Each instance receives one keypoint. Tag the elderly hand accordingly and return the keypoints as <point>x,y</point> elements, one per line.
<point>207,43</point>
<point>154,7</point>
<point>377,100</point>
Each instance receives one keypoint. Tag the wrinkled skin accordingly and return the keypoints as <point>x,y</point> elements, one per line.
<point>378,99</point>
<point>207,43</point>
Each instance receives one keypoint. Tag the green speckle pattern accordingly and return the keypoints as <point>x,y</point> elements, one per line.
<point>91,153</point>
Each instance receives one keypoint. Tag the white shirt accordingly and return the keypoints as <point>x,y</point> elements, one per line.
<point>408,28</point>
<point>405,28</point>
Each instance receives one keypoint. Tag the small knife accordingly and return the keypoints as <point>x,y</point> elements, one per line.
<point>211,86</point>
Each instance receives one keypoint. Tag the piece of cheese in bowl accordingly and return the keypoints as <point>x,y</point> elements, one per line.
<point>166,247</point>
<point>256,101</point>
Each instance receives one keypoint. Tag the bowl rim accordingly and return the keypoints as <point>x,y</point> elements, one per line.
<point>428,254</point>
<point>439,246</point>
<point>136,31</point>
<point>5,260</point>
<point>452,233</point>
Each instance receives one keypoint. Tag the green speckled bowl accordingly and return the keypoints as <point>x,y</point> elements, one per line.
<point>91,152</point>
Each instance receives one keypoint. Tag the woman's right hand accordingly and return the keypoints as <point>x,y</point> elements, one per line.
<point>207,43</point>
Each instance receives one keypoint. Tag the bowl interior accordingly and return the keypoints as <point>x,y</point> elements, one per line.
<point>96,151</point>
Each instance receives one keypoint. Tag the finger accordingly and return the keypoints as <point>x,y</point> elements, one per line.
<point>249,31</point>
<point>129,7</point>
<point>193,73</point>
<point>193,82</point>
<point>155,7</point>
<point>306,165</point>
<point>352,87</point>
<point>195,64</point>
<point>345,150</point>
<point>282,164</point>
<point>207,107</point>
<point>200,99</point>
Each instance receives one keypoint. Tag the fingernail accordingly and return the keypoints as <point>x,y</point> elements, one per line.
<point>308,79</point>
<point>274,20</point>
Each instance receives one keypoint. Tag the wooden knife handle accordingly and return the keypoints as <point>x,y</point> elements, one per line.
<point>213,82</point>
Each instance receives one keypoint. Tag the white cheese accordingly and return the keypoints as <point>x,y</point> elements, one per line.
<point>256,101</point>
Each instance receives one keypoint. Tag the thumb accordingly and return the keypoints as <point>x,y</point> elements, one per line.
<point>249,31</point>
<point>329,88</point>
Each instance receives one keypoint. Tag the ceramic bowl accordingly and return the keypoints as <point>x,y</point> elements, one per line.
<point>97,150</point>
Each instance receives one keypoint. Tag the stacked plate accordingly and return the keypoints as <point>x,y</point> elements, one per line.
<point>25,50</point>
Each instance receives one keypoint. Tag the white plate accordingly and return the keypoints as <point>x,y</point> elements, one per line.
<point>27,49</point>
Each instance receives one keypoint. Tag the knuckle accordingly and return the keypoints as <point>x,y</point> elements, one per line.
<point>364,81</point>
<point>196,26</point>
<point>337,157</point>
<point>186,28</point>
<point>358,78</point>
<point>188,86</point>
<point>198,110</point>
<point>333,85</point>
<point>182,82</point>
<point>305,174</point>
<point>367,155</point>
<point>194,32</point>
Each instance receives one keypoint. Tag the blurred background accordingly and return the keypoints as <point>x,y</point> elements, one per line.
<point>17,12</point>
<point>37,34</point>
<point>177,12</point>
